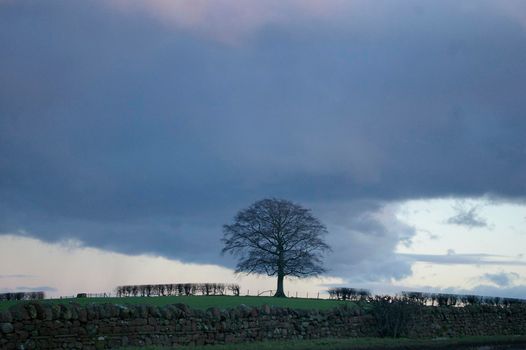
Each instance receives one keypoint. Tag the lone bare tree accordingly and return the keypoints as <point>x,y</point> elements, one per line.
<point>276,237</point>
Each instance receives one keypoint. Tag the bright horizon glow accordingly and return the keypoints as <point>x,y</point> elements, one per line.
<point>68,268</point>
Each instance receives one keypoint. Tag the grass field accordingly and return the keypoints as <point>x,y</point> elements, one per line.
<point>362,344</point>
<point>202,302</point>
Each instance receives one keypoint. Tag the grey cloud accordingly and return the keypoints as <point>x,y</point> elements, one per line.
<point>508,292</point>
<point>501,279</point>
<point>136,137</point>
<point>467,216</point>
<point>452,258</point>
<point>16,276</point>
<point>429,234</point>
<point>28,289</point>
<point>208,18</point>
<point>36,289</point>
<point>518,291</point>
<point>364,236</point>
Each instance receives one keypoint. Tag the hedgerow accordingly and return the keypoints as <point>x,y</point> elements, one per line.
<point>22,296</point>
<point>147,290</point>
<point>420,298</point>
<point>352,294</point>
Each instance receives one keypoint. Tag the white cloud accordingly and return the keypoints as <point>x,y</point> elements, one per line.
<point>504,239</point>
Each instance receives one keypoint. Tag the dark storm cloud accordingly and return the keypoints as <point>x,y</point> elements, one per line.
<point>135,136</point>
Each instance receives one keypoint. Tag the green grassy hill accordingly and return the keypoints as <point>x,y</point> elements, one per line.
<point>202,302</point>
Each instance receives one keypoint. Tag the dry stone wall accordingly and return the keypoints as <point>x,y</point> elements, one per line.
<point>46,326</point>
<point>475,320</point>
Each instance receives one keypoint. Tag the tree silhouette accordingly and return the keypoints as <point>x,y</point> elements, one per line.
<point>278,238</point>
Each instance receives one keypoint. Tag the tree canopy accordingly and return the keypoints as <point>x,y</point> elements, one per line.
<point>276,237</point>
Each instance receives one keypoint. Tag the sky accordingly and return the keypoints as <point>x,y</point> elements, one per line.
<point>132,130</point>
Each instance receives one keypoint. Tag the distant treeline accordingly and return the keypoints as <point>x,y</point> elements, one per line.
<point>353,294</point>
<point>22,296</point>
<point>147,290</point>
<point>92,295</point>
<point>444,299</point>
<point>430,299</point>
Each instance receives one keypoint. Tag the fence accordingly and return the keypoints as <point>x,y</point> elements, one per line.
<point>289,294</point>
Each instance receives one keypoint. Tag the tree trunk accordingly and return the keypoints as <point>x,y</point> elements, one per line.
<point>279,292</point>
